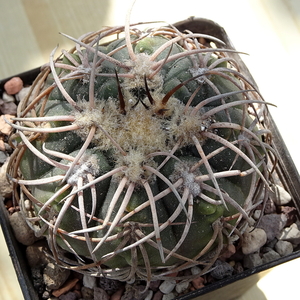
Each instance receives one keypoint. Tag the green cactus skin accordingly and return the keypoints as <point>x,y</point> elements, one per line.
<point>142,155</point>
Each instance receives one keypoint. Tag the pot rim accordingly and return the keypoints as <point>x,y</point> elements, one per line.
<point>287,169</point>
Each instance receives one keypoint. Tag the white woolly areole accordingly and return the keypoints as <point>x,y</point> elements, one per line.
<point>88,164</point>
<point>140,67</point>
<point>190,183</point>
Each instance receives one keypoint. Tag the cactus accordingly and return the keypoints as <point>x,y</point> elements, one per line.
<point>141,156</point>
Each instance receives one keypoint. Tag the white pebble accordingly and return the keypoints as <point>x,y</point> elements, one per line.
<point>270,256</point>
<point>284,248</point>
<point>281,196</point>
<point>89,281</point>
<point>257,214</point>
<point>195,270</point>
<point>170,296</point>
<point>7,98</point>
<point>290,234</point>
<point>27,204</point>
<point>167,286</point>
<point>182,286</point>
<point>149,295</point>
<point>253,240</point>
<point>23,93</point>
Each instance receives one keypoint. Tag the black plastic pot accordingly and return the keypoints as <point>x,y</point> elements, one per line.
<point>225,289</point>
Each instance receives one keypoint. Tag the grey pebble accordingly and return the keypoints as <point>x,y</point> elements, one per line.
<point>89,281</point>
<point>181,286</point>
<point>270,256</point>
<point>170,296</point>
<point>167,286</point>
<point>100,294</point>
<point>252,260</point>
<point>87,293</point>
<point>22,231</point>
<point>221,270</point>
<point>257,214</point>
<point>68,296</point>
<point>281,196</point>
<point>284,248</point>
<point>149,295</point>
<point>195,270</point>
<point>7,98</point>
<point>35,254</point>
<point>6,187</point>
<point>272,224</point>
<point>253,240</point>
<point>8,108</point>
<point>54,276</point>
<point>134,292</point>
<point>290,234</point>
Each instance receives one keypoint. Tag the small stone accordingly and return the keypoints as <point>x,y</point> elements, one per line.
<point>5,128</point>
<point>6,187</point>
<point>270,256</point>
<point>272,243</point>
<point>228,251</point>
<point>290,234</point>
<point>291,214</point>
<point>7,98</point>
<point>22,231</point>
<point>8,108</point>
<point>69,296</point>
<point>221,270</point>
<point>134,292</point>
<point>182,286</point>
<point>89,281</point>
<point>270,207</point>
<point>35,254</point>
<point>257,214</point>
<point>157,296</point>
<point>252,260</point>
<point>272,224</point>
<point>154,285</point>
<point>118,294</point>
<point>87,293</point>
<point>195,270</point>
<point>37,280</point>
<point>27,205</point>
<point>253,240</point>
<point>149,295</point>
<point>198,283</point>
<point>24,93</point>
<point>110,285</point>
<point>100,294</point>
<point>280,196</point>
<point>167,286</point>
<point>170,296</point>
<point>238,267</point>
<point>54,276</point>
<point>284,248</point>
<point>46,295</point>
<point>2,152</point>
<point>3,157</point>
<point>13,86</point>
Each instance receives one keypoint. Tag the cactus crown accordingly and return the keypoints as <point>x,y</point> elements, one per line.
<point>143,155</point>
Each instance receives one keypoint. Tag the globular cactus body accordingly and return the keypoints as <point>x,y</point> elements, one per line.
<point>143,155</point>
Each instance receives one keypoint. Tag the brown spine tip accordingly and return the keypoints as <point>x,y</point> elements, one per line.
<point>148,91</point>
<point>121,97</point>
